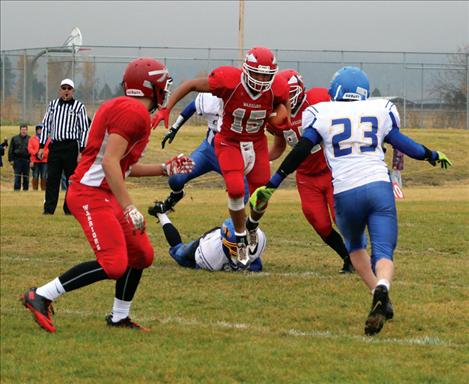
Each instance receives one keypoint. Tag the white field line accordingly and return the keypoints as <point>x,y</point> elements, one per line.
<point>419,341</point>
<point>301,275</point>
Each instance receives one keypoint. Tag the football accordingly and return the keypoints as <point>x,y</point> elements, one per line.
<point>278,117</point>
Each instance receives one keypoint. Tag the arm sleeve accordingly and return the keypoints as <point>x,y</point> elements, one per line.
<point>84,127</point>
<point>408,146</point>
<point>11,150</point>
<point>46,126</point>
<point>296,156</point>
<point>185,115</point>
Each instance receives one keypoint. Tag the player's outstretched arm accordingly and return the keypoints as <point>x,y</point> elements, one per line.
<point>185,115</point>
<point>261,196</point>
<point>200,84</point>
<point>415,150</point>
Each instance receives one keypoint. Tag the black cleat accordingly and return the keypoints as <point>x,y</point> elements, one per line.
<point>347,267</point>
<point>389,310</point>
<point>167,205</point>
<point>40,307</point>
<point>125,323</point>
<point>377,316</point>
<point>158,208</point>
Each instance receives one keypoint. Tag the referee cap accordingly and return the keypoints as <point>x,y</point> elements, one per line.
<point>67,82</point>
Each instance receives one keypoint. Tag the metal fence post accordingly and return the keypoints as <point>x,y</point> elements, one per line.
<point>467,90</point>
<point>25,76</point>
<point>404,83</point>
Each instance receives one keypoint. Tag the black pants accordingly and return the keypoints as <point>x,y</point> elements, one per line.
<point>62,157</point>
<point>21,169</point>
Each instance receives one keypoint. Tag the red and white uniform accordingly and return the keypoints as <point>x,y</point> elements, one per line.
<point>90,199</point>
<point>313,176</point>
<point>241,146</point>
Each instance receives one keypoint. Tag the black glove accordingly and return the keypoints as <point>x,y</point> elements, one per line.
<point>170,135</point>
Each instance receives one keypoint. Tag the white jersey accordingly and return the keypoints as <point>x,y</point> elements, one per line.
<point>209,254</point>
<point>352,135</point>
<point>211,107</point>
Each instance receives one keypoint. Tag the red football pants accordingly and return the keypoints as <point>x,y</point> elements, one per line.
<point>231,164</point>
<point>317,200</point>
<point>110,235</point>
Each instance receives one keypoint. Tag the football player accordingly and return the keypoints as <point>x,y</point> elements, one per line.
<point>215,250</point>
<point>205,104</point>
<point>313,176</point>
<point>249,94</point>
<point>352,130</point>
<point>99,200</point>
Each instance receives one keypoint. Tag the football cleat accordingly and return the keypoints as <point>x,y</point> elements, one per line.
<point>242,250</point>
<point>252,238</point>
<point>158,208</point>
<point>389,310</point>
<point>40,307</point>
<point>377,316</point>
<point>347,267</point>
<point>125,323</point>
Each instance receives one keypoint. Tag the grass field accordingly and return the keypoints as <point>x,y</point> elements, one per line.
<point>299,321</point>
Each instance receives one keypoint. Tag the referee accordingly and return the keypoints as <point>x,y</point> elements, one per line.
<point>66,123</point>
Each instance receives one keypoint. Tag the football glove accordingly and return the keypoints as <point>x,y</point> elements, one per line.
<point>135,218</point>
<point>260,198</point>
<point>170,135</point>
<point>442,160</point>
<point>178,164</point>
<point>161,114</point>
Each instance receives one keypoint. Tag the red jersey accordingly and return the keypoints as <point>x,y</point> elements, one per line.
<point>315,163</point>
<point>124,116</point>
<point>244,113</point>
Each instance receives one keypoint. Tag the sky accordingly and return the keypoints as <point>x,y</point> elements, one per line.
<point>412,26</point>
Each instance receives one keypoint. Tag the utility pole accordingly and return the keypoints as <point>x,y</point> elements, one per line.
<point>241,31</point>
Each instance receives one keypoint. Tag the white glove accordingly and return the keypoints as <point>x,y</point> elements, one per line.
<point>135,218</point>
<point>178,164</point>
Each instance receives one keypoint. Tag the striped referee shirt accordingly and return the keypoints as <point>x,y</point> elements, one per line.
<point>65,120</point>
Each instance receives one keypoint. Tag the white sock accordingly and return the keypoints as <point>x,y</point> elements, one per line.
<point>384,282</point>
<point>163,218</point>
<point>52,290</point>
<point>120,309</point>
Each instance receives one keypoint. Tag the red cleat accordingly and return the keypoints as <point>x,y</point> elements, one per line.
<point>40,307</point>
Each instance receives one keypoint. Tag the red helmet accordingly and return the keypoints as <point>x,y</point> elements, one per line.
<point>297,87</point>
<point>318,95</point>
<point>147,77</point>
<point>259,60</point>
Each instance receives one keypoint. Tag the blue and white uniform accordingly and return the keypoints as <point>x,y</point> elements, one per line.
<point>352,134</point>
<point>212,253</point>
<point>205,104</point>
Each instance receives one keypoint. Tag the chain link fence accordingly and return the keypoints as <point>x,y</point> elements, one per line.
<point>429,89</point>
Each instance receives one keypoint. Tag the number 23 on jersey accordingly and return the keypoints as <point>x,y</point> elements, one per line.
<point>358,139</point>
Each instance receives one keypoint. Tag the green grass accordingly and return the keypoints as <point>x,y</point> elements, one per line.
<point>297,322</point>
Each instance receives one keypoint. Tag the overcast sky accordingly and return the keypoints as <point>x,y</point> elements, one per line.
<point>422,26</point>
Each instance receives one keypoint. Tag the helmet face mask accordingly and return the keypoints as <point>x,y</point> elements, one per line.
<point>297,88</point>
<point>349,84</point>
<point>147,77</point>
<point>259,69</point>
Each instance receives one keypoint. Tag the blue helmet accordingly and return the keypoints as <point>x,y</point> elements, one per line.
<point>349,83</point>
<point>229,238</point>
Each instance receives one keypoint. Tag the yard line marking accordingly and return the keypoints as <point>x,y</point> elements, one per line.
<point>222,324</point>
<point>304,275</point>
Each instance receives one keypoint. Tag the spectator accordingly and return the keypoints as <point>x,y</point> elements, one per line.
<point>3,145</point>
<point>66,124</point>
<point>18,156</point>
<point>38,166</point>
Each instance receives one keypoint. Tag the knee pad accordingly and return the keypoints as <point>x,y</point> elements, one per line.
<point>234,184</point>
<point>143,259</point>
<point>114,269</point>
<point>236,203</point>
